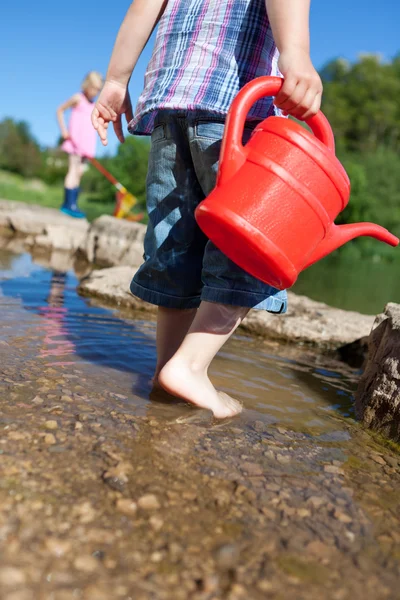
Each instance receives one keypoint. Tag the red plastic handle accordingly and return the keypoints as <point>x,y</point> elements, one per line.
<point>232,151</point>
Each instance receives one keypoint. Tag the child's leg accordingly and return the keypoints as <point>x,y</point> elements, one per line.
<point>172,327</point>
<point>73,177</point>
<point>71,186</point>
<point>186,374</point>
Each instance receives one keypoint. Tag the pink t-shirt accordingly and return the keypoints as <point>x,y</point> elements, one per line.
<point>81,131</point>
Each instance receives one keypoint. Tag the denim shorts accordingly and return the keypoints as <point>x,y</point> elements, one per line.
<point>182,267</point>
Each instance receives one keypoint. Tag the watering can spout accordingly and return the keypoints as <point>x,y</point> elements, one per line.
<point>340,234</point>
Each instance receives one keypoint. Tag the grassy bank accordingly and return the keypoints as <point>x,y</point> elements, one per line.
<point>35,191</point>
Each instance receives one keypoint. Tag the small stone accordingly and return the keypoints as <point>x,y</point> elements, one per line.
<point>223,498</point>
<point>342,517</point>
<point>87,564</point>
<point>268,513</point>
<point>333,470</point>
<point>156,557</point>
<point>172,495</point>
<point>85,512</point>
<point>393,462</point>
<point>126,506</point>
<point>303,513</point>
<point>317,548</point>
<point>10,577</point>
<point>284,459</point>
<point>317,501</point>
<point>117,477</point>
<point>149,502</point>
<point>16,436</point>
<point>110,563</point>
<point>238,591</point>
<point>227,556</point>
<point>156,523</point>
<point>78,426</point>
<point>51,424</point>
<point>288,511</point>
<point>49,439</point>
<point>57,547</point>
<point>378,459</point>
<point>273,487</point>
<point>37,400</point>
<point>265,586</point>
<point>175,551</point>
<point>188,495</point>
<point>252,469</point>
<point>260,427</point>
<point>66,399</point>
<point>350,536</point>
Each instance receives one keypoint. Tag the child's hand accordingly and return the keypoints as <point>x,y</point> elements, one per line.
<point>300,95</point>
<point>113,102</point>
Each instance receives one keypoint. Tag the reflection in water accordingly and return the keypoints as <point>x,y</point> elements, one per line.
<point>352,284</point>
<point>54,313</point>
<point>64,329</point>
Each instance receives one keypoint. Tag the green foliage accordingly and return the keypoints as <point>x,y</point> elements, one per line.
<point>375,188</point>
<point>19,151</point>
<point>129,166</point>
<point>95,184</point>
<point>361,103</point>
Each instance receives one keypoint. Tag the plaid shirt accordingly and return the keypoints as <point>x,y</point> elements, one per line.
<point>205,51</point>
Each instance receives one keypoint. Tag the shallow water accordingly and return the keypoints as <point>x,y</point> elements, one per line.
<point>42,308</point>
<point>301,499</point>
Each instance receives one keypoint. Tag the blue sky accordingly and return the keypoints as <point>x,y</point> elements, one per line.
<point>47,47</point>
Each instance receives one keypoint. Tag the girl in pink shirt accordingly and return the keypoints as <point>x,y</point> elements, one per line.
<point>79,138</point>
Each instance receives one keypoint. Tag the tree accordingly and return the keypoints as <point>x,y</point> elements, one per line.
<point>361,102</point>
<point>19,151</point>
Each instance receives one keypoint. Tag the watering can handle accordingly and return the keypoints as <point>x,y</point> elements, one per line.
<point>232,152</point>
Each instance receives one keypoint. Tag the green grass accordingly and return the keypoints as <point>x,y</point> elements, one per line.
<point>34,191</point>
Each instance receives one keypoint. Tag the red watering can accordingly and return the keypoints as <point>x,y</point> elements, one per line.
<point>273,209</point>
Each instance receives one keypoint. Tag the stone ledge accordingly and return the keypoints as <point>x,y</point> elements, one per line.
<point>42,227</point>
<point>111,242</point>
<point>306,321</point>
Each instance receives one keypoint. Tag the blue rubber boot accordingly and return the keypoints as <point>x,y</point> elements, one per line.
<point>70,205</point>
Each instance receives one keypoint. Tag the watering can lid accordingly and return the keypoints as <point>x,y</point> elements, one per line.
<point>307,142</point>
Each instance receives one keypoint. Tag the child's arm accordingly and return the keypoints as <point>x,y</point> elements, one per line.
<point>301,92</point>
<point>134,33</point>
<point>73,101</point>
<point>114,100</point>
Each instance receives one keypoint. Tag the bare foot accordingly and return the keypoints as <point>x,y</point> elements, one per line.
<point>179,379</point>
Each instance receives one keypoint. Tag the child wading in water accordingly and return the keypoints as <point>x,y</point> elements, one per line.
<point>205,51</point>
<point>79,139</point>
